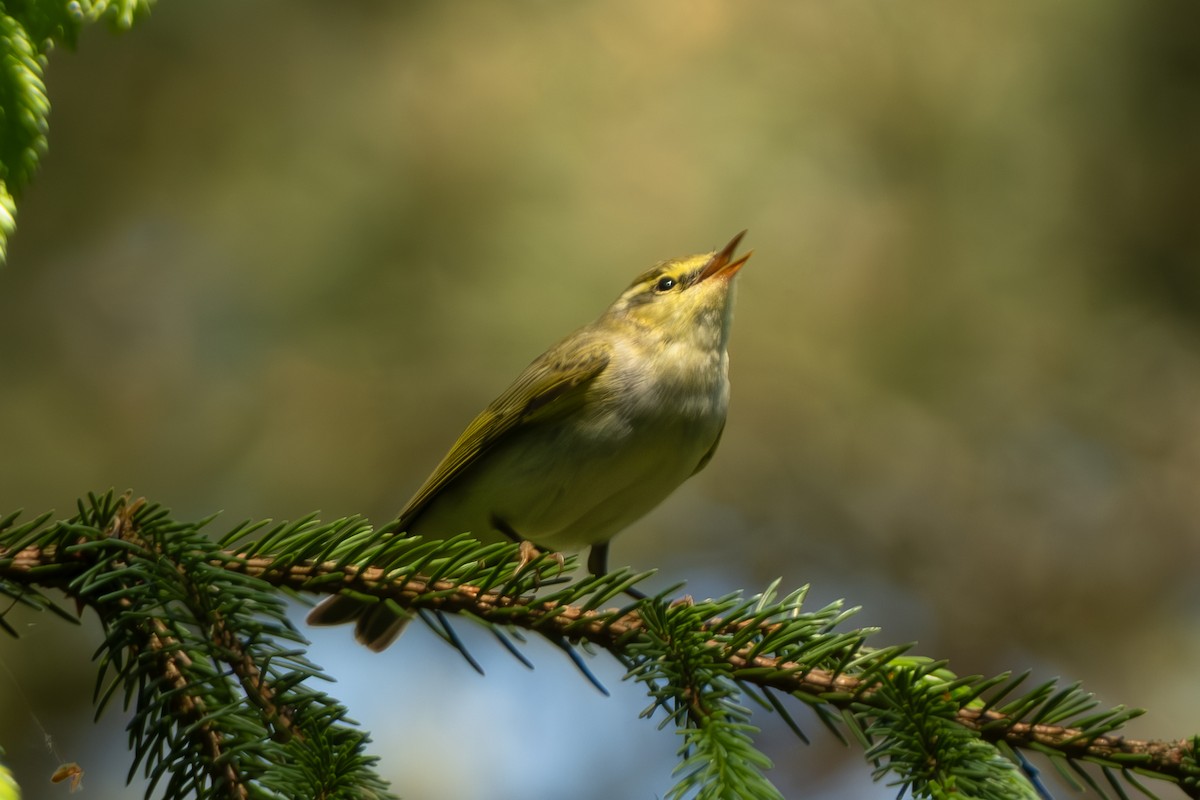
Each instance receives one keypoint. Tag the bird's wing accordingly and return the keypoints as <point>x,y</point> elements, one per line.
<point>553,385</point>
<point>707,457</point>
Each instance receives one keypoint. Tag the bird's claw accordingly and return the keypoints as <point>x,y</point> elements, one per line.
<point>528,552</point>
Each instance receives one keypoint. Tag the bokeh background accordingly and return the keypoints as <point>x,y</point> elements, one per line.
<point>280,252</point>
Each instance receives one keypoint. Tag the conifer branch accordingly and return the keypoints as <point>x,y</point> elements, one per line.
<point>221,708</point>
<point>611,632</point>
<point>175,607</point>
<point>175,664</point>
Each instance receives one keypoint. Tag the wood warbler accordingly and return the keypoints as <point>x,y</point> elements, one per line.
<point>594,433</point>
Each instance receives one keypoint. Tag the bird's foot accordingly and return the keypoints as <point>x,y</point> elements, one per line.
<point>528,552</point>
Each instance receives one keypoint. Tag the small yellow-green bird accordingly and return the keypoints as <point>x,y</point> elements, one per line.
<point>596,432</point>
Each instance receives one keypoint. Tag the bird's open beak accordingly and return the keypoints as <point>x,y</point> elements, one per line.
<point>721,264</point>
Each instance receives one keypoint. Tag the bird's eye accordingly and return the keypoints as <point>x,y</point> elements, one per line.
<point>664,285</point>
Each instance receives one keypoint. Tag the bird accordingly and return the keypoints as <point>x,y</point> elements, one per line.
<point>592,435</point>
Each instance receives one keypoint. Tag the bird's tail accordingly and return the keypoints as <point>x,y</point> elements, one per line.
<point>375,624</point>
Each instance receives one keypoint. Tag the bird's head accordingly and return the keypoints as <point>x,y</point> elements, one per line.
<point>684,298</point>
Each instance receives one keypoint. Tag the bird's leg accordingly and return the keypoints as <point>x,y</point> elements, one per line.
<point>598,566</point>
<point>528,551</point>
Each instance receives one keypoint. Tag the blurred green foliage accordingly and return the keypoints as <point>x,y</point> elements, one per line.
<point>279,253</point>
<point>28,30</point>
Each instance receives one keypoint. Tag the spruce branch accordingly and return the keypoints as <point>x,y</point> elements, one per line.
<point>174,667</point>
<point>194,631</point>
<point>215,672</point>
<point>1172,760</point>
